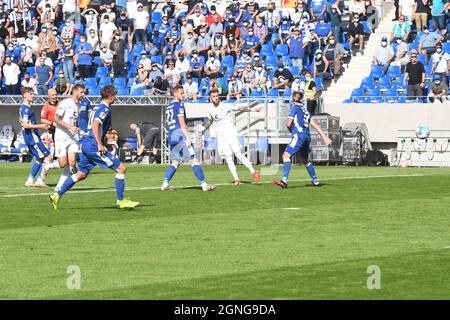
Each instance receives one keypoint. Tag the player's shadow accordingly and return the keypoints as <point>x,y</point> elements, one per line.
<point>322,185</point>
<point>114,207</point>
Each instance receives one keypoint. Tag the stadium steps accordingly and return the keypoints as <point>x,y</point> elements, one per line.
<point>359,66</point>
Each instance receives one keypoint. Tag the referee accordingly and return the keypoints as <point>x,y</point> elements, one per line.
<point>148,135</point>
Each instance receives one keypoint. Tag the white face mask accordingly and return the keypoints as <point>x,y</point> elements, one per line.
<point>250,33</point>
<point>82,40</point>
<point>106,20</point>
<point>259,24</point>
<point>384,44</point>
<point>438,50</point>
<point>259,69</point>
<point>104,50</point>
<point>195,56</point>
<point>203,34</point>
<point>280,69</point>
<point>211,58</point>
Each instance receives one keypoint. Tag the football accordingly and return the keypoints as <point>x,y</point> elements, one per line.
<point>422,131</point>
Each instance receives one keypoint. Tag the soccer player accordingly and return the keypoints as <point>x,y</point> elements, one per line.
<point>227,138</point>
<point>66,135</point>
<point>94,152</point>
<point>31,136</point>
<point>84,111</point>
<point>298,124</point>
<point>179,142</point>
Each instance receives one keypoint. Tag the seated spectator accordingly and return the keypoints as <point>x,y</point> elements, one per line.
<point>252,7</point>
<point>197,18</point>
<point>242,62</point>
<point>250,43</point>
<point>141,80</point>
<point>256,60</point>
<point>247,78</point>
<point>334,52</point>
<point>323,30</point>
<point>232,29</point>
<point>260,30</point>
<point>282,78</point>
<point>218,44</point>
<point>428,41</point>
<point>216,25</point>
<point>297,85</point>
<point>212,67</point>
<point>384,55</point>
<point>29,82</point>
<point>191,89</point>
<point>234,88</point>
<point>197,63</point>
<point>402,56</point>
<point>220,85</point>
<point>401,29</point>
<point>112,140</point>
<point>203,43</point>
<point>155,72</point>
<point>145,61</point>
<point>259,78</point>
<point>321,66</point>
<point>232,47</point>
<point>161,87</point>
<point>62,84</point>
<point>356,32</point>
<point>182,66</point>
<point>437,90</point>
<point>284,31</point>
<point>189,44</point>
<point>440,63</point>
<point>43,76</point>
<point>106,57</point>
<point>171,75</point>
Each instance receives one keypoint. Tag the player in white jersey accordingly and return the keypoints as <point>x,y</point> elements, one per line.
<point>66,135</point>
<point>227,134</point>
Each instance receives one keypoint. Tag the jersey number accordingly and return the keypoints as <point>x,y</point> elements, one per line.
<point>91,119</point>
<point>169,116</point>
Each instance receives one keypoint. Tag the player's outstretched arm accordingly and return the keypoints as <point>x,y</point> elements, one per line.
<point>26,125</point>
<point>316,126</point>
<point>247,109</point>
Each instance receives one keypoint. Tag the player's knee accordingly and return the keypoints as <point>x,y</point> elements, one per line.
<point>304,161</point>
<point>122,169</point>
<point>80,175</point>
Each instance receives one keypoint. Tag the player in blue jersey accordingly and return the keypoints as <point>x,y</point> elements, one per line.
<point>94,152</point>
<point>298,124</point>
<point>179,141</point>
<point>85,109</point>
<point>31,137</point>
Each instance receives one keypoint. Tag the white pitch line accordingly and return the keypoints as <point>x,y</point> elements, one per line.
<point>218,184</point>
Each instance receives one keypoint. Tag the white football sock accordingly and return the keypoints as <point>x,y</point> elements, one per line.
<point>232,167</point>
<point>245,162</point>
<point>63,178</point>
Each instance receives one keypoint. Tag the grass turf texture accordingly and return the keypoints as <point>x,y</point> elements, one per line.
<point>238,242</point>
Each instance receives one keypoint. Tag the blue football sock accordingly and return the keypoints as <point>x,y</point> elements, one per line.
<point>67,185</point>
<point>35,169</point>
<point>170,172</point>
<point>311,171</point>
<point>286,169</point>
<point>120,186</point>
<point>198,171</point>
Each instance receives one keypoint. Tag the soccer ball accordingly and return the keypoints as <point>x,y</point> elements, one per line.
<point>422,131</point>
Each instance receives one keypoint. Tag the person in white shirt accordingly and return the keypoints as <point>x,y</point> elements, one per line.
<point>141,22</point>
<point>106,57</point>
<point>32,41</point>
<point>29,82</point>
<point>11,72</point>
<point>172,75</point>
<point>234,88</point>
<point>197,18</point>
<point>212,67</point>
<point>107,29</point>
<point>90,15</point>
<point>182,66</point>
<point>407,9</point>
<point>66,135</point>
<point>191,89</point>
<point>227,134</point>
<point>440,63</point>
<point>260,78</point>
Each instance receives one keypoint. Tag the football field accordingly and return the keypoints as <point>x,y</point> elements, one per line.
<point>252,241</point>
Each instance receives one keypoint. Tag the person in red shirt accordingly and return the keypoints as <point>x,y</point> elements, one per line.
<point>48,111</point>
<point>213,13</point>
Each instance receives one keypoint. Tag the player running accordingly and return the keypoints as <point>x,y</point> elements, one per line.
<point>298,124</point>
<point>31,137</point>
<point>66,135</point>
<point>94,152</point>
<point>227,135</point>
<point>179,141</point>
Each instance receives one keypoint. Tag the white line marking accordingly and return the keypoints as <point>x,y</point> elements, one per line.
<point>290,208</point>
<point>218,184</point>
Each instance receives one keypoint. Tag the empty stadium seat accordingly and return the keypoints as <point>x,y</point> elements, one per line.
<point>281,50</point>
<point>376,71</point>
<point>391,95</point>
<point>394,72</point>
<point>266,50</point>
<point>156,17</point>
<point>137,92</point>
<point>123,91</point>
<point>367,83</point>
<point>120,82</point>
<point>272,93</point>
<point>357,95</point>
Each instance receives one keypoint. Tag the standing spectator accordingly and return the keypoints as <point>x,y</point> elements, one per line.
<point>282,78</point>
<point>67,59</point>
<point>189,44</point>
<point>11,73</point>
<point>91,16</point>
<point>218,44</point>
<point>356,32</point>
<point>421,14</point>
<point>120,55</point>
<point>29,82</point>
<point>438,8</point>
<point>234,88</point>
<point>441,63</point>
<point>168,10</point>
<point>83,60</point>
<point>43,76</point>
<point>427,42</point>
<point>107,29</point>
<point>415,73</point>
<point>384,55</point>
<point>70,10</point>
<point>335,20</point>
<point>124,24</point>
<point>357,7</point>
<point>191,89</point>
<point>62,84</point>
<point>401,29</point>
<point>197,18</point>
<point>310,93</point>
<point>296,48</point>
<point>212,67</point>
<point>93,40</point>
<point>252,7</point>
<point>47,41</point>
<point>232,29</point>
<point>406,9</point>
<point>437,90</point>
<point>270,18</point>
<point>318,7</point>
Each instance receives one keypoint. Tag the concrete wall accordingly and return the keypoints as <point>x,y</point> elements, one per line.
<point>384,120</point>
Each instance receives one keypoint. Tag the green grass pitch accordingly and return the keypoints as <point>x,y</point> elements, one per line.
<point>253,241</point>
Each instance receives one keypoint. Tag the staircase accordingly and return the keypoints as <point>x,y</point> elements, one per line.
<point>360,65</point>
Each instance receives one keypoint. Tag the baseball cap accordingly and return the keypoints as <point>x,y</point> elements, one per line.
<point>194,52</point>
<point>189,76</point>
<point>140,4</point>
<point>384,39</point>
<point>143,52</point>
<point>437,77</point>
<point>280,65</point>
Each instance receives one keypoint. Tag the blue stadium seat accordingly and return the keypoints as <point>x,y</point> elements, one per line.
<point>102,72</point>
<point>123,91</point>
<point>287,92</point>
<point>366,27</point>
<point>384,83</point>
<point>31,71</point>
<point>446,47</point>
<point>295,70</point>
<point>367,83</point>
<point>422,58</point>
<point>373,95</point>
<point>130,82</point>
<point>137,92</point>
<point>257,92</point>
<point>357,95</point>
<point>105,81</point>
<point>266,50</point>
<point>157,59</point>
<point>281,50</point>
<point>227,61</point>
<point>391,95</point>
<point>319,84</point>
<point>156,17</point>
<point>93,91</point>
<point>286,60</point>
<point>273,93</point>
<point>120,82</point>
<point>203,99</point>
<point>394,72</point>
<point>271,62</point>
<point>376,71</point>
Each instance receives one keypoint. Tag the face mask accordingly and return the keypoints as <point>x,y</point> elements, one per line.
<point>10,48</point>
<point>319,56</point>
<point>211,59</point>
<point>16,9</point>
<point>333,10</point>
<point>198,14</point>
<point>44,56</point>
<point>259,24</point>
<point>44,30</point>
<point>190,36</point>
<point>55,32</point>
<point>355,20</point>
<point>384,44</point>
<point>143,56</point>
<point>164,21</point>
<point>259,69</point>
<point>203,34</point>
<point>154,68</point>
<point>438,50</point>
<point>106,20</point>
<point>104,50</point>
<point>82,40</point>
<point>108,10</point>
<point>399,41</point>
<point>437,81</point>
<point>280,69</point>
<point>331,41</point>
<point>117,37</point>
<point>231,38</point>
<point>61,75</point>
<point>195,56</point>
<point>30,36</point>
<point>307,78</point>
<point>250,34</point>
<point>256,58</point>
<point>231,23</point>
<point>245,24</point>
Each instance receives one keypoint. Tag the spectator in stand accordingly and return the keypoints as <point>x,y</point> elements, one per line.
<point>335,19</point>
<point>221,86</point>
<point>296,48</point>
<point>437,90</point>
<point>189,44</point>
<point>321,66</point>
<point>384,55</point>
<point>191,89</point>
<point>300,14</point>
<point>106,57</point>
<point>11,72</point>
<point>356,32</point>
<point>212,67</point>
<point>161,87</point>
<point>93,40</point>
<point>318,8</point>
<point>168,10</point>
<point>203,43</point>
<point>218,44</point>
<point>62,84</point>
<point>243,60</point>
<point>252,7</point>
<point>323,30</point>
<point>260,30</point>
<point>107,29</point>
<point>297,85</point>
<point>259,78</point>
<point>357,7</point>
<point>14,51</point>
<point>47,60</point>
<point>182,66</point>
<point>421,14</point>
<point>124,24</point>
<point>406,9</point>
<point>120,55</point>
<point>250,43</point>
<point>284,31</point>
<point>282,78</point>
<point>157,43</point>
<point>43,76</point>
<point>401,29</point>
<point>232,29</point>
<point>173,37</point>
<point>91,17</point>
<point>234,88</point>
<point>141,80</point>
<point>440,63</point>
<point>83,57</point>
<point>185,28</point>
<point>310,89</point>
<point>197,17</point>
<point>141,22</point>
<point>171,75</point>
<point>256,60</point>
<point>29,82</point>
<point>334,52</point>
<point>403,56</point>
<point>247,78</point>
<point>197,63</point>
<point>47,41</point>
<point>438,8</point>
<point>215,26</point>
<point>415,73</point>
<point>66,55</point>
<point>243,29</point>
<point>428,41</point>
<point>232,47</point>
